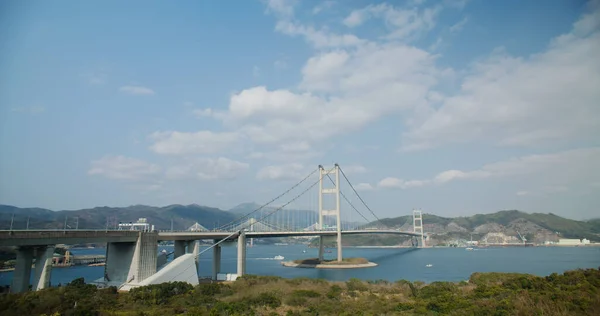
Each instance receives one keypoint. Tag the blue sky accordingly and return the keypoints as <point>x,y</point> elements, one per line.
<point>456,107</point>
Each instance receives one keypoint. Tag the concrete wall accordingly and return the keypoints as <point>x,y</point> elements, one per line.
<point>119,257</point>
<point>181,269</point>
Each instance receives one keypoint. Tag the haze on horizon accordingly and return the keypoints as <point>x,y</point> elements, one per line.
<point>455,107</point>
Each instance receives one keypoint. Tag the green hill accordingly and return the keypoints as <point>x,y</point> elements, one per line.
<point>567,228</point>
<point>183,216</point>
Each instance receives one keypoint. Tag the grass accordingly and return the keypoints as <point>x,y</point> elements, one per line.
<point>572,293</point>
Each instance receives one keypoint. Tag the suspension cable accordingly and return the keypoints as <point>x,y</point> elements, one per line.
<point>345,198</point>
<point>271,201</point>
<point>360,198</point>
<point>289,202</point>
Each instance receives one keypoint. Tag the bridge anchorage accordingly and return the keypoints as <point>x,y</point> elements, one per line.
<point>132,257</point>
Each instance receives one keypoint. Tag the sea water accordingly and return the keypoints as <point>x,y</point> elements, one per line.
<point>446,264</point>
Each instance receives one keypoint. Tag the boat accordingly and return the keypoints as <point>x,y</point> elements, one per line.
<point>278,257</point>
<point>429,265</point>
<point>303,251</point>
<point>469,248</point>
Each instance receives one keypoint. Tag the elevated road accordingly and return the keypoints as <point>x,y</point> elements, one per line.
<point>186,235</point>
<point>68,237</point>
<point>53,237</point>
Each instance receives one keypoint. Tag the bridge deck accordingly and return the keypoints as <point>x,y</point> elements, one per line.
<point>51,237</point>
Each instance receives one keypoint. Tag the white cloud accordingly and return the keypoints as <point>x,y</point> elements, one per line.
<point>395,183</point>
<point>202,142</point>
<point>547,97</point>
<point>33,109</point>
<point>572,166</point>
<point>291,171</point>
<point>207,169</point>
<point>367,84</point>
<point>97,78</point>
<point>202,112</point>
<point>136,90</point>
<point>323,6</point>
<point>280,64</point>
<point>364,187</point>
<point>319,38</point>
<point>459,25</point>
<point>123,168</point>
<point>281,8</point>
<point>354,169</point>
<point>403,23</point>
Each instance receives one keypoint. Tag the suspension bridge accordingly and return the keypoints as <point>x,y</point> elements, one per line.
<point>132,257</point>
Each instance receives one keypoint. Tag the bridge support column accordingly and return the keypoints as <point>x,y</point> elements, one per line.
<point>241,254</point>
<point>131,261</point>
<point>189,246</point>
<point>216,267</point>
<point>321,248</point>
<point>43,267</point>
<point>179,248</point>
<point>331,212</point>
<point>22,273</point>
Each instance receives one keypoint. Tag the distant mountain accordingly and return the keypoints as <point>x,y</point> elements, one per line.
<point>536,226</point>
<point>183,216</point>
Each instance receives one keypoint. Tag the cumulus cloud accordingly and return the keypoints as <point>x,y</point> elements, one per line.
<point>291,171</point>
<point>203,112</point>
<point>571,166</point>
<point>403,23</point>
<point>364,187</point>
<point>137,90</point>
<point>123,168</point>
<point>207,169</point>
<point>547,97</point>
<point>202,142</point>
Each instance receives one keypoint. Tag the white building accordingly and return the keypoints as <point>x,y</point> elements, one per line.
<point>569,242</point>
<point>141,225</point>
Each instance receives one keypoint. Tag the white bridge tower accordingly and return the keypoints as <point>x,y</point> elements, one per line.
<point>418,225</point>
<point>330,212</point>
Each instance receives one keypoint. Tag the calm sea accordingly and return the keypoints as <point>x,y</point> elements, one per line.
<point>448,264</point>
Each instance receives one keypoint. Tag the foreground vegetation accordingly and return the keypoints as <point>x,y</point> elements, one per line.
<point>572,293</point>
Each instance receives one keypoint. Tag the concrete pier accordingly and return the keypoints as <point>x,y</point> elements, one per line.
<point>241,254</point>
<point>20,282</point>
<point>131,262</point>
<point>179,248</point>
<point>321,248</point>
<point>43,267</point>
<point>216,267</point>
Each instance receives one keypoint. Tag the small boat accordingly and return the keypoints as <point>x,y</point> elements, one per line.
<point>278,258</point>
<point>469,248</point>
<point>303,251</point>
<point>429,265</point>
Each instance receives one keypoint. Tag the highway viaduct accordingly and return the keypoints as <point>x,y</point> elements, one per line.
<point>132,256</point>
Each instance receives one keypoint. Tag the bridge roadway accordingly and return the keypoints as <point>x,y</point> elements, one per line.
<point>53,237</point>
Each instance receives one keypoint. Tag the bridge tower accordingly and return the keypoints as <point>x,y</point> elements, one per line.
<point>418,225</point>
<point>336,211</point>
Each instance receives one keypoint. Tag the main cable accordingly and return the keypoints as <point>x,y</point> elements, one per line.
<point>359,197</point>
<point>271,201</point>
<point>345,198</point>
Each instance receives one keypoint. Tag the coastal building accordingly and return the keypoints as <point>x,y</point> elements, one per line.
<point>569,242</point>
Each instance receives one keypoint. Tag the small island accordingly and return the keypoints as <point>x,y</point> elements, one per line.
<point>315,263</point>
